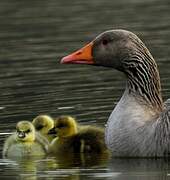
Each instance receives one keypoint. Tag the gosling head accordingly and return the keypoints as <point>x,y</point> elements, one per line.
<point>43,123</point>
<point>64,126</point>
<point>25,131</point>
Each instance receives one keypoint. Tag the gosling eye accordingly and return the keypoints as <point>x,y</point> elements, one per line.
<point>28,131</point>
<point>39,127</point>
<point>61,126</point>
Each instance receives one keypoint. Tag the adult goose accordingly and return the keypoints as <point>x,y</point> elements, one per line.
<point>139,125</point>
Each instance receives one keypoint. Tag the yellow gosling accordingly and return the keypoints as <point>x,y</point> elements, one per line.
<point>25,142</point>
<point>43,124</point>
<point>72,138</point>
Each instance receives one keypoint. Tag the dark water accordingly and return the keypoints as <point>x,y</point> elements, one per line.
<point>34,35</point>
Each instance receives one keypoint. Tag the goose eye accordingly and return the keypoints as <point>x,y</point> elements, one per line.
<point>105,42</point>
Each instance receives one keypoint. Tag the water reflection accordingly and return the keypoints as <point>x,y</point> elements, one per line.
<point>54,167</point>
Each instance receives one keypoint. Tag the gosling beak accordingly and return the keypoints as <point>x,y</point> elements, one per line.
<point>52,131</point>
<point>82,56</point>
<point>21,134</point>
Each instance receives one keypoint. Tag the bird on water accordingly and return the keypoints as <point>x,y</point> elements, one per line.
<point>139,125</point>
<point>25,142</point>
<point>74,138</point>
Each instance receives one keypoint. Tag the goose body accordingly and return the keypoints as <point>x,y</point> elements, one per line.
<point>25,142</point>
<point>139,125</point>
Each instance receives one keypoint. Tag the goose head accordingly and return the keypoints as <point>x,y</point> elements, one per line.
<point>124,51</point>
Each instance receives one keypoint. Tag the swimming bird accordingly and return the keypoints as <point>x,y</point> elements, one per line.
<point>43,124</point>
<point>139,125</point>
<point>73,138</point>
<point>25,142</point>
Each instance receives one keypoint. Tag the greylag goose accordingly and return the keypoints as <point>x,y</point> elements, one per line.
<point>72,137</point>
<point>139,125</point>
<point>25,142</point>
<point>43,124</point>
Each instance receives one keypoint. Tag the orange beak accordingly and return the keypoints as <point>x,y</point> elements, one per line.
<point>82,56</point>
